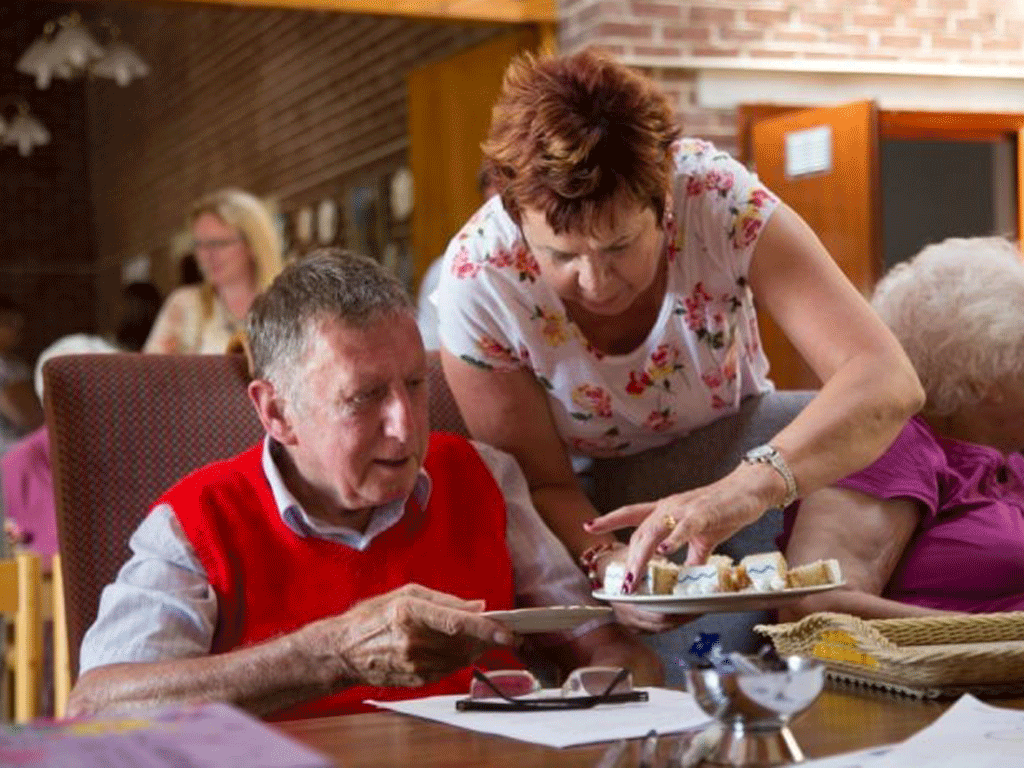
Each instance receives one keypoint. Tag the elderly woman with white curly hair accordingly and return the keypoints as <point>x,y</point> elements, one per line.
<point>937,523</point>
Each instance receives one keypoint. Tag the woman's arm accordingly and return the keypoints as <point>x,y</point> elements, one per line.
<point>868,536</point>
<point>870,388</point>
<point>509,410</point>
<point>869,393</point>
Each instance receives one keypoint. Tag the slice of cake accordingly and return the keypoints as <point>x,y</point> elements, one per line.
<point>814,574</point>
<point>662,575</point>
<point>659,578</point>
<point>764,572</point>
<point>614,575</point>
<point>712,577</point>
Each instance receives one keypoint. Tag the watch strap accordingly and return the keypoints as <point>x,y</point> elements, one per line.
<point>769,454</point>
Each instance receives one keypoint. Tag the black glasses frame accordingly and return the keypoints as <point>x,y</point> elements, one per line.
<point>511,703</point>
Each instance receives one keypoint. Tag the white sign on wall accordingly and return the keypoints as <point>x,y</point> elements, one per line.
<point>809,151</point>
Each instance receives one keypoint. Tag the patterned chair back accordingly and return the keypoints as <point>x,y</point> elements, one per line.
<point>123,429</point>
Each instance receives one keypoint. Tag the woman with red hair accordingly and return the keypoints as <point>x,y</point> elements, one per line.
<point>604,303</point>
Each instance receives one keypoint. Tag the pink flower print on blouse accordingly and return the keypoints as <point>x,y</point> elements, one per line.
<point>493,353</point>
<point>713,379</point>
<point>524,262</point>
<point>591,401</point>
<point>554,327</point>
<point>608,444</point>
<point>719,181</point>
<point>500,257</point>
<point>663,364</point>
<point>709,330</point>
<point>746,228</point>
<point>759,197</point>
<point>639,381</point>
<point>496,351</point>
<point>661,420</point>
<point>463,266</point>
<point>694,307</point>
<point>748,219</point>
<point>717,377</point>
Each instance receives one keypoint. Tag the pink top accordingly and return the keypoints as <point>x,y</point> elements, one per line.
<point>28,491</point>
<point>968,551</point>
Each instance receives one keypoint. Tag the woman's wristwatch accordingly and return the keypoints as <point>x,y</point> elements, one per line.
<point>769,454</point>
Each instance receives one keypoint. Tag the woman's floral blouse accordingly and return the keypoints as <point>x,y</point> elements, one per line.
<point>702,356</point>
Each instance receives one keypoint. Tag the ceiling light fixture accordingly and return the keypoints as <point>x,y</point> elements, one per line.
<point>68,49</point>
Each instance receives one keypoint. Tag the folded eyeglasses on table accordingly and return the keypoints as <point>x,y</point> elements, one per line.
<point>514,689</point>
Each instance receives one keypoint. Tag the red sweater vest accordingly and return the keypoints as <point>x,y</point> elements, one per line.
<point>269,581</point>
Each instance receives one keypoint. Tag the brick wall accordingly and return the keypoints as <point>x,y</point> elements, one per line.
<point>660,34</point>
<point>45,254</point>
<point>291,104</point>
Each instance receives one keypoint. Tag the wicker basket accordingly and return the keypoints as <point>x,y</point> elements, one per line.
<point>930,657</point>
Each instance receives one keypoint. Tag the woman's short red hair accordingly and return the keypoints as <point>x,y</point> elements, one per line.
<point>572,134</point>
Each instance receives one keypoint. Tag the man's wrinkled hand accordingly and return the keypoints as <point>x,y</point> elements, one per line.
<point>408,637</point>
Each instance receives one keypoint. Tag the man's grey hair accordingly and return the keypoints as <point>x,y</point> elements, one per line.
<point>329,283</point>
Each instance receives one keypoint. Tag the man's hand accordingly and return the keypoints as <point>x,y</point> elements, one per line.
<point>408,637</point>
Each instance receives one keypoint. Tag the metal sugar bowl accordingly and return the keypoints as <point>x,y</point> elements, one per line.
<point>755,705</point>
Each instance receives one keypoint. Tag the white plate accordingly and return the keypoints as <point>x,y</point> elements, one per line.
<point>723,602</point>
<point>557,618</point>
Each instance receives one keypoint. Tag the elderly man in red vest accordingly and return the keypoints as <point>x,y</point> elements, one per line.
<point>350,554</point>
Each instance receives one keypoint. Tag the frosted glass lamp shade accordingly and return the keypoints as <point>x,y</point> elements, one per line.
<point>30,60</point>
<point>26,132</point>
<point>43,62</point>
<point>120,63</point>
<point>76,46</point>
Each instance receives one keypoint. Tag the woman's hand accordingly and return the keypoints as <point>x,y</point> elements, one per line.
<point>631,616</point>
<point>702,518</point>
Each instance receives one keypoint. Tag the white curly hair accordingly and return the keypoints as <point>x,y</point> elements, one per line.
<point>957,308</point>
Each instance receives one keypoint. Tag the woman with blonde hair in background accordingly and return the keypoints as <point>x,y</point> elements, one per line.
<point>239,253</point>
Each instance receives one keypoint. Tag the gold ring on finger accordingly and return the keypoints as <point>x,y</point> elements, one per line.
<point>670,523</point>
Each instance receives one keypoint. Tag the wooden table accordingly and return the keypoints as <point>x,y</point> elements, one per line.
<point>841,720</point>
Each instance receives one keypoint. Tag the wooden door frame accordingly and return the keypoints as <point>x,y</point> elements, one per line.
<point>896,124</point>
<point>912,124</point>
